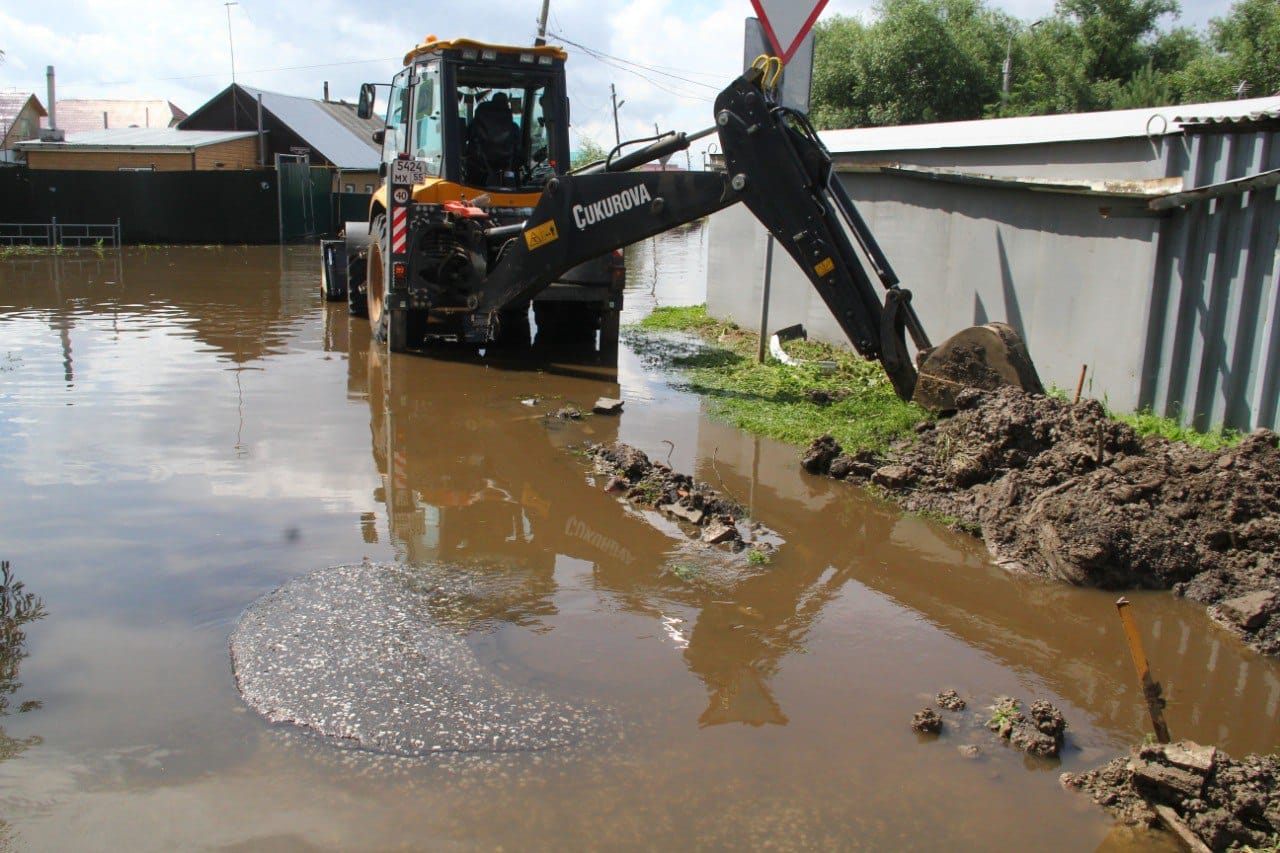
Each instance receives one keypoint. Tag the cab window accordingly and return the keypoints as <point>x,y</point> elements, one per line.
<point>397,117</point>
<point>428,137</point>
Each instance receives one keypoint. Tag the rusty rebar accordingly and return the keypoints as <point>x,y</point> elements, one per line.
<point>1151,690</point>
<point>1084,368</point>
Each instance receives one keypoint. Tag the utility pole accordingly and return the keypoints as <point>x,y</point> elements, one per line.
<point>230,41</point>
<point>1007,69</point>
<point>617,134</point>
<point>542,25</point>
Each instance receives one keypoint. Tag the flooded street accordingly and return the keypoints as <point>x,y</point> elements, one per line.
<point>184,430</point>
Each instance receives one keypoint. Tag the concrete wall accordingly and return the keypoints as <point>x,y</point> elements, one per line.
<point>971,254</point>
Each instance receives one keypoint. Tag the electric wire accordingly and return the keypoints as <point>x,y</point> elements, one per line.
<point>657,69</point>
<point>631,68</point>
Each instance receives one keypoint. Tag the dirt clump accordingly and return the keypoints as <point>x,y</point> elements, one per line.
<point>566,413</point>
<point>1227,804</point>
<point>1038,731</point>
<point>927,721</point>
<point>702,512</point>
<point>1063,491</point>
<point>950,700</point>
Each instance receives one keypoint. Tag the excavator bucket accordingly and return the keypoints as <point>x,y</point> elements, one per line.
<point>986,357</point>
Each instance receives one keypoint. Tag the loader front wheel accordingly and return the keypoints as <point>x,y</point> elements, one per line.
<point>376,281</point>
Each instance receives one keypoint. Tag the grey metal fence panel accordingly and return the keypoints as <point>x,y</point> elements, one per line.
<point>1213,346</point>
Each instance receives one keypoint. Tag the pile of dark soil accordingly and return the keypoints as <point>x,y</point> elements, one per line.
<point>1227,804</point>
<point>701,510</point>
<point>1064,491</point>
<point>1039,731</point>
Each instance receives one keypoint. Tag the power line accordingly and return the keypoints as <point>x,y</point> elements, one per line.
<point>659,69</point>
<point>655,83</point>
<point>630,68</point>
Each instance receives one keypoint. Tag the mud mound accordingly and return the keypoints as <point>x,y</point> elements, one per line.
<point>703,513</point>
<point>1040,731</point>
<point>1225,803</point>
<point>1063,491</point>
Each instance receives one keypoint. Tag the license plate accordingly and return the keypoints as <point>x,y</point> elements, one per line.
<point>408,172</point>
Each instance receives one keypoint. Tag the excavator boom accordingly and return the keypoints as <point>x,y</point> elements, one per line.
<point>777,167</point>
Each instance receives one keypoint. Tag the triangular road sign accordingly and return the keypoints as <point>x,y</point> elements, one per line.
<point>787,22</point>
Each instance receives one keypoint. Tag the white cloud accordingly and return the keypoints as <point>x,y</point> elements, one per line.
<point>181,51</point>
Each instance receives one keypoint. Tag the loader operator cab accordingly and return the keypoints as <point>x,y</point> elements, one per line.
<point>483,116</point>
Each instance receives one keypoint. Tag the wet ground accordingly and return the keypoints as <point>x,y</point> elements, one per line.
<point>183,431</point>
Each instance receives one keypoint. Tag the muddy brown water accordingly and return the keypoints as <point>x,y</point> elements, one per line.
<point>183,430</point>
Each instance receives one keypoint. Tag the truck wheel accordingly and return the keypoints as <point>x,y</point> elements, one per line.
<point>357,304</point>
<point>376,281</point>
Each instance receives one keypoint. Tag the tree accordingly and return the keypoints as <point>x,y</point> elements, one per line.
<point>1246,44</point>
<point>920,61</point>
<point>1099,55</point>
<point>589,151</point>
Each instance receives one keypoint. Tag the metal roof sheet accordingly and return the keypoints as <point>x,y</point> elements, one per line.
<point>1231,118</point>
<point>11,103</point>
<point>323,131</point>
<point>1033,130</point>
<point>139,137</point>
<point>76,115</point>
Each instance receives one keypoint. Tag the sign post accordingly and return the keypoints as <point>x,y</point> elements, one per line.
<point>783,30</point>
<point>404,175</point>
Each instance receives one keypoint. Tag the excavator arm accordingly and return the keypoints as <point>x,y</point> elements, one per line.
<point>780,170</point>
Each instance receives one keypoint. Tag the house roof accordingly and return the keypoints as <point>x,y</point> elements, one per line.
<point>13,103</point>
<point>1032,130</point>
<point>77,115</point>
<point>154,139</point>
<point>329,127</point>
<point>363,128</point>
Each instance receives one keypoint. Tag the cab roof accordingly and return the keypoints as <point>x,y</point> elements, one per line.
<point>431,44</point>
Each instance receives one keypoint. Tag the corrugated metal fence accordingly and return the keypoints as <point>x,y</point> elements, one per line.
<point>1213,336</point>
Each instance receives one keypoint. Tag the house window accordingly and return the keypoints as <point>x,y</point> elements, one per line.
<point>348,188</point>
<point>368,188</point>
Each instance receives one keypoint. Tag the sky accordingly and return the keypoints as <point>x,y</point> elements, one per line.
<point>667,58</point>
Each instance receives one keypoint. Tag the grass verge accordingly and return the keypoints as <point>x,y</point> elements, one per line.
<point>773,399</point>
<point>776,399</point>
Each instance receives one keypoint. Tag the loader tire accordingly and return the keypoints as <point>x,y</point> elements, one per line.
<point>376,281</point>
<point>357,303</point>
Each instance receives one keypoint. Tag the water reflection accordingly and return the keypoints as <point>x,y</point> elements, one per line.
<point>665,271</point>
<point>18,608</point>
<point>241,321</point>
<point>493,484</point>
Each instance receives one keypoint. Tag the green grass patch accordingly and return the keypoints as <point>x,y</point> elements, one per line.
<point>772,398</point>
<point>9,252</point>
<point>1147,423</point>
<point>685,318</point>
<point>686,572</point>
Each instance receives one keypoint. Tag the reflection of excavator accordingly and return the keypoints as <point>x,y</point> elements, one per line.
<point>471,504</point>
<point>487,218</point>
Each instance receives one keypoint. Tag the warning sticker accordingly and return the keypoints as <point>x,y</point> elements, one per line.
<point>824,266</point>
<point>541,235</point>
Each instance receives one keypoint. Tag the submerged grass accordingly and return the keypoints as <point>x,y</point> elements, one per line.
<point>770,399</point>
<point>773,398</point>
